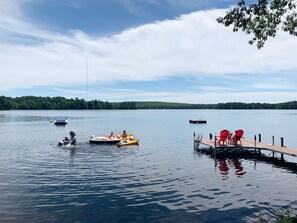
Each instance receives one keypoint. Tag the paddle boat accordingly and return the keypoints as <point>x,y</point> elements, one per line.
<point>128,142</point>
<point>104,139</point>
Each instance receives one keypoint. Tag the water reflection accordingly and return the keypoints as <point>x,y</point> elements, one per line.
<point>226,159</point>
<point>72,151</point>
<point>72,154</point>
<point>224,166</point>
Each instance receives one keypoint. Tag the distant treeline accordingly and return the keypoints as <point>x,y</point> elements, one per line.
<point>61,103</point>
<point>58,103</point>
<point>229,105</point>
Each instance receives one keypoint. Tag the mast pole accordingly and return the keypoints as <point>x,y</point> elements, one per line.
<point>87,78</point>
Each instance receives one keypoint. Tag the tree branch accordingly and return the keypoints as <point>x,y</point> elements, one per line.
<point>262,20</point>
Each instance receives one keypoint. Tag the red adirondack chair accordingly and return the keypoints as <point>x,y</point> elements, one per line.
<point>223,137</point>
<point>237,137</point>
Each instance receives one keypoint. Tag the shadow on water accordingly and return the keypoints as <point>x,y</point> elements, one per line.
<point>224,158</point>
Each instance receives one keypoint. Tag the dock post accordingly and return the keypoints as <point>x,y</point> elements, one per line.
<point>282,145</point>
<point>255,140</point>
<point>214,156</point>
<point>259,140</point>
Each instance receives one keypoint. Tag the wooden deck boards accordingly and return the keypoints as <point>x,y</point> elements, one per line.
<point>250,144</point>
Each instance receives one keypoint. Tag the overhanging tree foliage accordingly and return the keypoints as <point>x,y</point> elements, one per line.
<point>263,19</point>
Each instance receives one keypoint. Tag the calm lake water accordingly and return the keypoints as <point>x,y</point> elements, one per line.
<point>162,180</point>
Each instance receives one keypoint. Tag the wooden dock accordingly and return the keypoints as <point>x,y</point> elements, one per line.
<point>246,144</point>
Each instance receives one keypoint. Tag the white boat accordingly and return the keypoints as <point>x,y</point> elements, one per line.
<point>104,140</point>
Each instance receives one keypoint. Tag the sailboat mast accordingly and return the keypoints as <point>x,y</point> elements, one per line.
<point>87,78</point>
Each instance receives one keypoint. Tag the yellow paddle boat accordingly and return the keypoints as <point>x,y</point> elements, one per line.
<point>128,142</point>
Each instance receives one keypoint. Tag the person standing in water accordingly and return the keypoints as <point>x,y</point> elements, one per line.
<point>67,141</point>
<point>72,137</point>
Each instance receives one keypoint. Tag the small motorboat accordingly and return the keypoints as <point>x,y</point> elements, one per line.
<point>104,140</point>
<point>61,120</point>
<point>128,142</point>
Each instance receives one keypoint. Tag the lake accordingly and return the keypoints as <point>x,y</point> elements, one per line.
<point>162,180</point>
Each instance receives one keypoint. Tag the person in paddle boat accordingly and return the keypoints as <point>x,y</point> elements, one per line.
<point>111,135</point>
<point>124,134</point>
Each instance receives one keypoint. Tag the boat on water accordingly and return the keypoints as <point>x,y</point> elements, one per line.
<point>61,120</point>
<point>128,142</point>
<point>104,140</point>
<point>109,139</point>
<point>197,121</point>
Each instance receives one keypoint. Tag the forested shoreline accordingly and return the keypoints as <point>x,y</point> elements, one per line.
<point>227,105</point>
<point>61,103</point>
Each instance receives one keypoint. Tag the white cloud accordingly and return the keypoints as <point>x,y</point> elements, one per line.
<point>193,44</point>
<point>275,86</point>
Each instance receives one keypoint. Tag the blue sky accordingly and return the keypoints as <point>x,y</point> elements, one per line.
<point>143,50</point>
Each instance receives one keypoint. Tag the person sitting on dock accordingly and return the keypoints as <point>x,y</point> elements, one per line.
<point>237,137</point>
